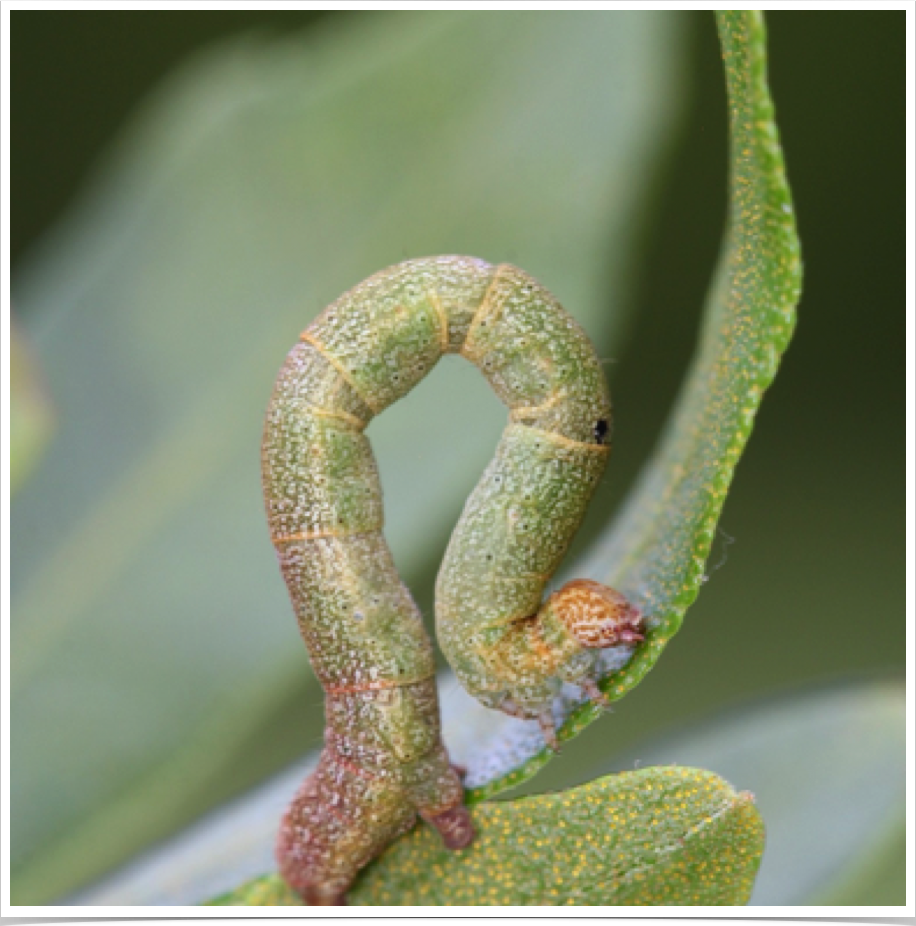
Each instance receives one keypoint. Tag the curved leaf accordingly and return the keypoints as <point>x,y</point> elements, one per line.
<point>655,551</point>
<point>654,837</point>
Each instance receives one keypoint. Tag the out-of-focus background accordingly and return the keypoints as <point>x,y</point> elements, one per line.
<point>189,189</point>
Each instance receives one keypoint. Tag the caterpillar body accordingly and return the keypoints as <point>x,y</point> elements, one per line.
<point>384,761</point>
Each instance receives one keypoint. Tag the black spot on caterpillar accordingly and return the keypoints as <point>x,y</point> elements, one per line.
<point>384,761</point>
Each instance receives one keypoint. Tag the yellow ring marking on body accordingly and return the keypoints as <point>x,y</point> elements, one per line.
<point>532,411</point>
<point>568,441</point>
<point>346,417</point>
<point>319,535</point>
<point>386,685</point>
<point>483,310</point>
<point>344,372</point>
<point>436,303</point>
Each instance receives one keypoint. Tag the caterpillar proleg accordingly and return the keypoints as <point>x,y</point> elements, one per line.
<point>384,761</point>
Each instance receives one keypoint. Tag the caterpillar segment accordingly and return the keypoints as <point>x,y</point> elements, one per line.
<point>384,762</point>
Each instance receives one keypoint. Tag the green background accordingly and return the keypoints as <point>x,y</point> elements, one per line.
<point>812,587</point>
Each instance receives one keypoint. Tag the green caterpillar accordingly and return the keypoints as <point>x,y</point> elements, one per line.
<point>384,761</point>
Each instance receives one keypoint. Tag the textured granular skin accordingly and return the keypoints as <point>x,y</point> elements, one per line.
<point>384,761</point>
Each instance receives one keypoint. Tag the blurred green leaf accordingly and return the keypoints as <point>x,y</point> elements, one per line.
<point>656,549</point>
<point>658,836</point>
<point>879,876</point>
<point>31,416</point>
<point>152,636</point>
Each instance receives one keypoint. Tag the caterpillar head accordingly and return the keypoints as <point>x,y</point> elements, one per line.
<point>596,615</point>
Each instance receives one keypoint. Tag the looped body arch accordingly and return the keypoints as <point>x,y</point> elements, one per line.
<point>384,761</point>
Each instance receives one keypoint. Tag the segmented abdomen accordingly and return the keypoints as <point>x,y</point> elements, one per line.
<point>324,507</point>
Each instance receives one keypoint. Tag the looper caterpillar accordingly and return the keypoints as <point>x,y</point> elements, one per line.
<point>384,760</point>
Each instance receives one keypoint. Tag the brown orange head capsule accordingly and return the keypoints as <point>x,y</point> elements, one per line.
<point>596,615</point>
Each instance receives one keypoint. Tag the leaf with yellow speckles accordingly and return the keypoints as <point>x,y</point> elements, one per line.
<point>656,550</point>
<point>653,837</point>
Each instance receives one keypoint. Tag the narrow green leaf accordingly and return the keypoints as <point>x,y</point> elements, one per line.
<point>654,837</point>
<point>656,550</point>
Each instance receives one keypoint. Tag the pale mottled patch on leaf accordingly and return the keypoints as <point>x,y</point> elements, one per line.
<point>31,417</point>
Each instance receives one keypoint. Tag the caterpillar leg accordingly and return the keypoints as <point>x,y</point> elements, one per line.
<point>548,728</point>
<point>595,694</point>
<point>434,786</point>
<point>558,644</point>
<point>454,826</point>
